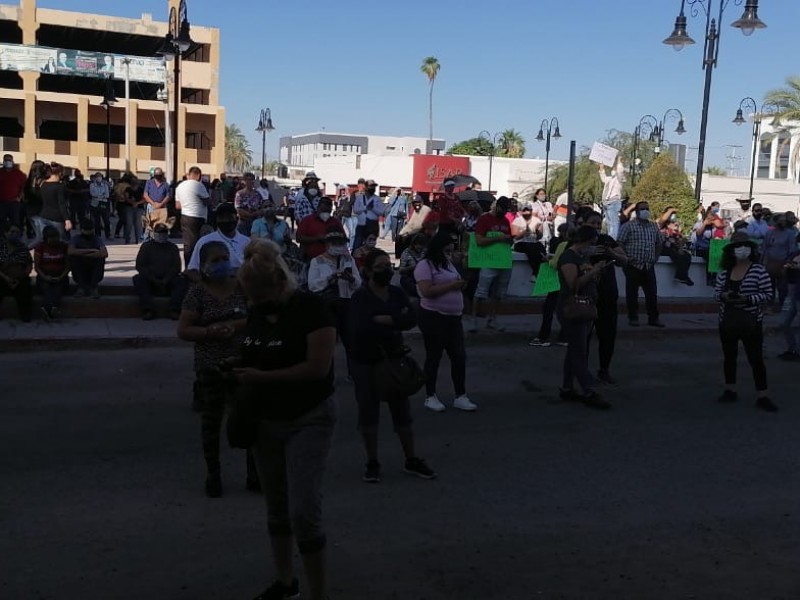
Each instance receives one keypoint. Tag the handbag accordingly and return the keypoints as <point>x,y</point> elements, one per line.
<point>580,308</point>
<point>242,425</point>
<point>398,373</point>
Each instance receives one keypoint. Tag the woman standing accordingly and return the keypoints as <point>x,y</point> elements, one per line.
<point>33,197</point>
<point>334,277</point>
<point>287,360</point>
<point>409,260</point>
<point>269,227</point>
<point>742,287</point>
<point>780,244</point>
<point>441,309</point>
<point>379,313</point>
<point>213,317</point>
<point>579,278</point>
<point>55,208</point>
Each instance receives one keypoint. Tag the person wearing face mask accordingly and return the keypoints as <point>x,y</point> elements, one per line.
<point>779,246</point>
<point>156,197</point>
<point>450,209</point>
<point>87,258</point>
<point>527,229</point>
<point>409,260</point>
<point>360,253</point>
<point>368,208</point>
<point>99,205</point>
<point>757,226</point>
<point>395,214</point>
<point>742,287</point>
<point>306,201</point>
<point>192,199</point>
<point>15,270</point>
<point>287,358</point>
<point>641,241</point>
<point>379,313</point>
<point>52,271</point>
<point>270,227</point>
<point>312,230</point>
<point>416,217</point>
<point>158,266</point>
<point>12,191</point>
<point>612,195</point>
<point>226,232</point>
<point>344,212</point>
<point>674,245</point>
<point>249,203</point>
<point>213,316</point>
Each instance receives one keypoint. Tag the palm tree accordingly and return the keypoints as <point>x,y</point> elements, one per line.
<point>430,66</point>
<point>786,118</point>
<point>238,156</point>
<point>512,144</point>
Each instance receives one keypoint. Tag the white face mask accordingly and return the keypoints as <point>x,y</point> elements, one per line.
<point>644,215</point>
<point>742,252</point>
<point>312,192</point>
<point>337,250</point>
<point>325,216</point>
<point>7,164</point>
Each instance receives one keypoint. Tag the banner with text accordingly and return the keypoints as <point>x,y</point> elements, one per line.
<point>78,63</point>
<point>494,256</point>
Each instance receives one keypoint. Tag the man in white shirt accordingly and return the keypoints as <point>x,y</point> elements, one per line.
<point>226,232</point>
<point>263,189</point>
<point>368,209</point>
<point>612,196</point>
<point>191,198</point>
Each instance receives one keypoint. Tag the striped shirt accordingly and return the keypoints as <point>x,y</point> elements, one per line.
<point>755,287</point>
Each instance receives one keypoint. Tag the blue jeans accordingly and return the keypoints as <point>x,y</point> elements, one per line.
<point>791,331</point>
<point>40,223</point>
<point>350,224</point>
<point>133,224</point>
<point>611,215</point>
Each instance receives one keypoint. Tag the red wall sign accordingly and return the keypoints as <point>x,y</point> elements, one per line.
<point>430,171</point>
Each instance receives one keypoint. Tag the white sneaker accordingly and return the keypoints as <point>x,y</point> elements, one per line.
<point>433,403</point>
<point>464,403</point>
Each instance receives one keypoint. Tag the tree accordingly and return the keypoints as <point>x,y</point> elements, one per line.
<point>476,146</point>
<point>665,184</point>
<point>786,101</point>
<point>714,170</point>
<point>430,67</point>
<point>588,188</point>
<point>238,156</point>
<point>512,144</point>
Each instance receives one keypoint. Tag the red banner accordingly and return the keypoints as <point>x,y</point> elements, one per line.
<point>430,171</point>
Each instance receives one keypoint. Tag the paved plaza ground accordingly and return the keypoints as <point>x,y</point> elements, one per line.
<point>670,495</point>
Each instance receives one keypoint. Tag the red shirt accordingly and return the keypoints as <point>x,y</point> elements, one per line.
<point>450,209</point>
<point>12,184</point>
<point>313,226</point>
<point>51,259</point>
<point>489,222</point>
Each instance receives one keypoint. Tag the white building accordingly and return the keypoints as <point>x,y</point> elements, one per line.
<point>779,195</point>
<point>306,149</point>
<point>777,151</point>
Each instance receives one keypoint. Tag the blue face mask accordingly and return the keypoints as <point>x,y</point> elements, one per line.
<point>218,271</point>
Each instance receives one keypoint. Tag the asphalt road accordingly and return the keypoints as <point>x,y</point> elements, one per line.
<point>670,495</point>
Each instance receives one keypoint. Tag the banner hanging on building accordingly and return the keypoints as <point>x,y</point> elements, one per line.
<point>78,63</point>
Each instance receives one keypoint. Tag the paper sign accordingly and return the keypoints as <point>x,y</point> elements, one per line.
<point>495,256</point>
<point>546,281</point>
<point>605,155</point>
<point>715,255</point>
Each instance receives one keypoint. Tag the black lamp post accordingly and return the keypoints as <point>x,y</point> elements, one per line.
<point>752,108</point>
<point>647,126</point>
<point>264,127</point>
<point>109,100</point>
<point>679,39</point>
<point>177,41</point>
<point>553,131</point>
<point>671,115</point>
<point>492,139</point>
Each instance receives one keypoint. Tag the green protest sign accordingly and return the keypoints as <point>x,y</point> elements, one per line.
<point>495,256</point>
<point>546,281</point>
<point>715,255</point>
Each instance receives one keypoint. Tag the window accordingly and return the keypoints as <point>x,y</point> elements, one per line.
<point>391,147</point>
<point>324,146</point>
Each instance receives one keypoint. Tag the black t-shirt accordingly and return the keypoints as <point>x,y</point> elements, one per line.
<point>282,344</point>
<point>607,284</point>
<point>570,257</point>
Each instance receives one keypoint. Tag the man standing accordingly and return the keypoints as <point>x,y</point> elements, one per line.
<point>158,266</point>
<point>345,214</point>
<point>307,199</point>
<point>225,232</point>
<point>612,196</point>
<point>641,241</point>
<point>78,190</point>
<point>99,204</point>
<point>156,197</point>
<point>396,217</point>
<point>249,204</point>
<point>451,212</point>
<point>312,230</point>
<point>12,189</point>
<point>757,227</point>
<point>191,198</point>
<point>263,189</point>
<point>368,209</point>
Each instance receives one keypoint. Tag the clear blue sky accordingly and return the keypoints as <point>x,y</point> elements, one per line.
<point>353,65</point>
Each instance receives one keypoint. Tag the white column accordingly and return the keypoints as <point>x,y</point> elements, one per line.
<point>128,153</point>
<point>773,158</point>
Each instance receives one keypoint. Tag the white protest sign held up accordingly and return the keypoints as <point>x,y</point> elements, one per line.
<point>605,155</point>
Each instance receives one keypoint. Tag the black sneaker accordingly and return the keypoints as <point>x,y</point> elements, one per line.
<point>633,322</point>
<point>46,314</point>
<point>279,591</point>
<point>728,396</point>
<point>568,395</point>
<point>594,400</point>
<point>148,315</point>
<point>372,473</point>
<point>417,466</point>
<point>789,356</point>
<point>766,404</point>
<point>252,484</point>
<point>605,377</point>
<point>214,485</point>
<point>656,323</point>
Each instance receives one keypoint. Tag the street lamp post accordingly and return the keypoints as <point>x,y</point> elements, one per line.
<point>671,115</point>
<point>493,140</point>
<point>552,129</point>
<point>647,126</point>
<point>752,107</point>
<point>109,99</point>
<point>264,127</point>
<point>177,41</point>
<point>679,39</point>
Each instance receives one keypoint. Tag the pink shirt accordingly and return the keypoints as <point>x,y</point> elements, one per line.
<point>450,303</point>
